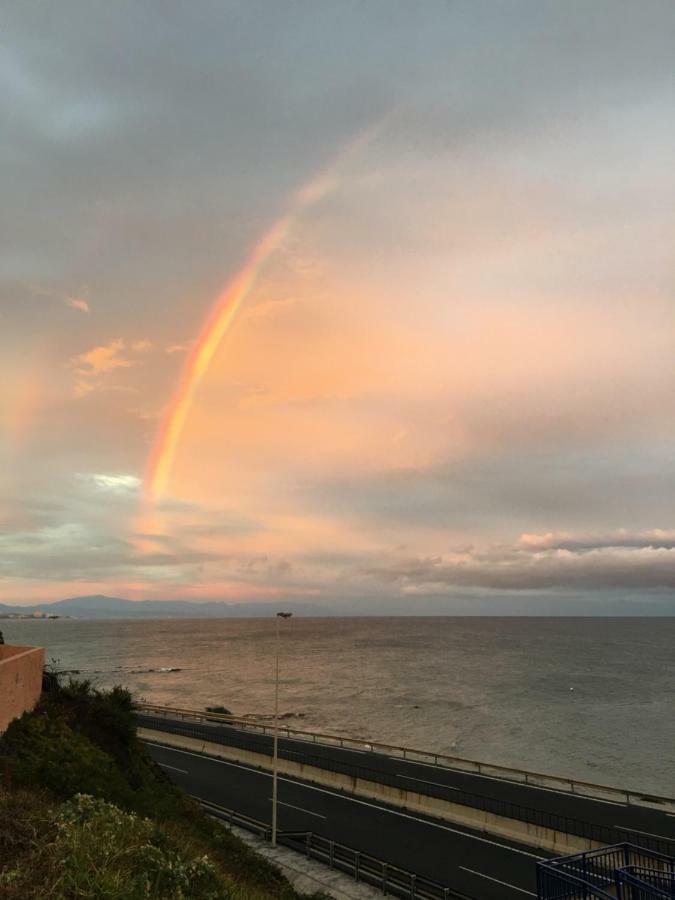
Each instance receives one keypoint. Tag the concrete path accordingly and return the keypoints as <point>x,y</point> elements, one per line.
<point>307,875</point>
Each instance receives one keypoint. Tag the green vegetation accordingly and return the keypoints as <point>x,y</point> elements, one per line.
<point>86,813</point>
<point>223,710</point>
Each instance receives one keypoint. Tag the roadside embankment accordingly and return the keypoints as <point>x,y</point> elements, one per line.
<point>85,812</point>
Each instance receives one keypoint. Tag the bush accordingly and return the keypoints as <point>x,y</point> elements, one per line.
<point>110,854</point>
<point>80,740</point>
<point>96,850</point>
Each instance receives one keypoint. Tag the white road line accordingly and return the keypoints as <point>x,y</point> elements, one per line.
<point>165,766</point>
<point>447,787</point>
<point>505,883</point>
<point>224,762</point>
<point>350,799</point>
<point>647,833</point>
<point>497,780</point>
<point>494,778</point>
<point>316,744</point>
<point>393,812</point>
<point>300,809</point>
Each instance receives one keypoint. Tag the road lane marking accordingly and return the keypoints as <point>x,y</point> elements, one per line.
<point>350,799</point>
<point>505,883</point>
<point>647,833</point>
<point>447,787</point>
<point>300,809</point>
<point>393,812</point>
<point>523,784</point>
<point>496,779</point>
<point>165,766</point>
<point>224,762</point>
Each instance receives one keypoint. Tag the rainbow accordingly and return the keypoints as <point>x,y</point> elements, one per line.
<point>224,311</point>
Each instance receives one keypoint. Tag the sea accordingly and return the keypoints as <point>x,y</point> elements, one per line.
<point>586,698</point>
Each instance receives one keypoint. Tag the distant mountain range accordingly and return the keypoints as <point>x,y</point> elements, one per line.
<point>99,606</point>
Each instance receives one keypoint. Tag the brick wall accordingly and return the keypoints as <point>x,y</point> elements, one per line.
<point>20,680</point>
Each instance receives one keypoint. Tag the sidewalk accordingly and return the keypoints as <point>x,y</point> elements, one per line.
<point>307,875</point>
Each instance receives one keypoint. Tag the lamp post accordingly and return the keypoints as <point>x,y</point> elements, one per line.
<point>275,752</point>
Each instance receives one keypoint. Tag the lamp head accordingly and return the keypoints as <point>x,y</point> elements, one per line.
<point>284,615</point>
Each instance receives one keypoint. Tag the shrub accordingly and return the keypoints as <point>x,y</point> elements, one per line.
<point>49,752</point>
<point>111,854</point>
<point>80,740</point>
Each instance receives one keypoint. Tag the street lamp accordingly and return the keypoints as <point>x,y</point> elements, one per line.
<point>275,752</point>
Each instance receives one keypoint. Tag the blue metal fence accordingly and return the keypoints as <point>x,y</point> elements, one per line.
<point>642,883</point>
<point>620,872</point>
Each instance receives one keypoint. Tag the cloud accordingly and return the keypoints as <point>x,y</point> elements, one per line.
<point>530,566</point>
<point>116,483</point>
<point>269,308</point>
<point>179,348</point>
<point>482,342</point>
<point>101,359</point>
<point>90,366</point>
<point>657,538</point>
<point>77,301</point>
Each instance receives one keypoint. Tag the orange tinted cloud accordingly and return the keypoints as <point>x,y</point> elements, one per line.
<point>90,366</point>
<point>78,303</point>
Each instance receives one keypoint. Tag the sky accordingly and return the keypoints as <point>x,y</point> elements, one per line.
<point>369,305</point>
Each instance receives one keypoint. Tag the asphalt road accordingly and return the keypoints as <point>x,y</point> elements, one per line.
<point>608,821</point>
<point>474,864</point>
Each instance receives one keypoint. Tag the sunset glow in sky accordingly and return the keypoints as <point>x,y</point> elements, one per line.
<point>369,305</point>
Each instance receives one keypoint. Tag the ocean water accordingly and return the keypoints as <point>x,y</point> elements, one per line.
<point>587,698</point>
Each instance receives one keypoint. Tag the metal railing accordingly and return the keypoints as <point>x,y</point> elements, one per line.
<point>390,879</point>
<point>554,821</point>
<point>641,883</point>
<point>534,779</point>
<point>622,871</point>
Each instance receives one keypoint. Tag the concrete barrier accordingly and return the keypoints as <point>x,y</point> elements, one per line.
<point>428,757</point>
<point>557,842</point>
<point>20,680</point>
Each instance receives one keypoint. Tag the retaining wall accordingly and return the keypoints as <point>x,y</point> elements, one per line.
<point>20,680</point>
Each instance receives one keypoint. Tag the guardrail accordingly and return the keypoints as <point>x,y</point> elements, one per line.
<point>388,878</point>
<point>556,822</point>
<point>642,883</point>
<point>533,779</point>
<point>622,871</point>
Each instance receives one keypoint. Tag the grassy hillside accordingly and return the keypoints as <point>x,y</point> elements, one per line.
<point>85,812</point>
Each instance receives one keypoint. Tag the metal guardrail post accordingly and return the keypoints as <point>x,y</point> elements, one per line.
<point>308,844</point>
<point>413,886</point>
<point>331,853</point>
<point>357,865</point>
<point>385,869</point>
